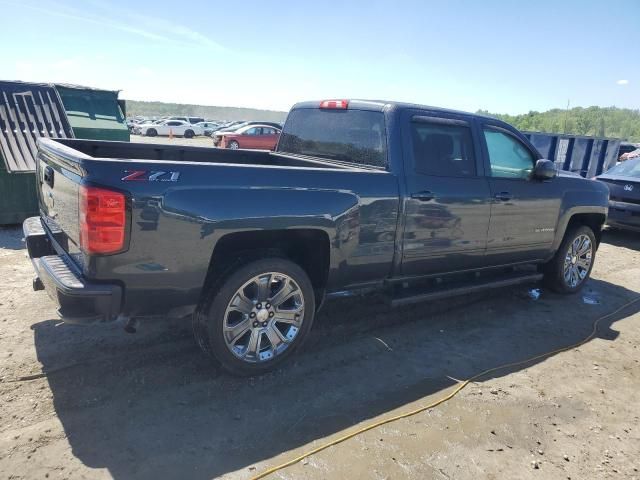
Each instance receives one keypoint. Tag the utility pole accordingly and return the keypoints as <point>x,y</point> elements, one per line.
<point>566,114</point>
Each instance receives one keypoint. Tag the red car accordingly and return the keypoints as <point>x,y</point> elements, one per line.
<point>262,137</point>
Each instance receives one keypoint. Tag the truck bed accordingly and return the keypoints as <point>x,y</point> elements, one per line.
<point>180,153</point>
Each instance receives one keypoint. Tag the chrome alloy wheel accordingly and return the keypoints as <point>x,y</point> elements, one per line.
<point>263,317</point>
<point>578,260</point>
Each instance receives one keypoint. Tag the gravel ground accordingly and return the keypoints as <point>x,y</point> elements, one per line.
<point>201,141</point>
<point>94,402</point>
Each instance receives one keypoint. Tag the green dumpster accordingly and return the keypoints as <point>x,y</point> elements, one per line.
<point>94,114</point>
<point>19,199</point>
<point>29,111</point>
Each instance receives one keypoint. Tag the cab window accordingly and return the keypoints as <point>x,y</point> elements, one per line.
<point>509,158</point>
<point>443,149</point>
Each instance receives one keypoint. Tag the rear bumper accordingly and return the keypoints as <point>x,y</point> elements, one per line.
<point>624,215</point>
<point>78,300</point>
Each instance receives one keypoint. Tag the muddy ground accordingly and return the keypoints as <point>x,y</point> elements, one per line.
<point>150,405</point>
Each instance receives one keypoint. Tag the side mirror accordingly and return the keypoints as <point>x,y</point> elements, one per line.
<point>544,169</point>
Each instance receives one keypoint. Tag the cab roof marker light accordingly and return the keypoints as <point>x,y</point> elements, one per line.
<point>335,104</point>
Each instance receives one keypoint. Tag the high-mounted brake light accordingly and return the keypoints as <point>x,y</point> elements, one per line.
<point>102,220</point>
<point>337,104</point>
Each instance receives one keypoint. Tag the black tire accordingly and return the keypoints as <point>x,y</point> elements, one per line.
<point>209,321</point>
<point>554,271</point>
<point>152,132</point>
<point>233,145</point>
<point>189,134</point>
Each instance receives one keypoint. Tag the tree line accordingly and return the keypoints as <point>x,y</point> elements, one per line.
<point>160,109</point>
<point>612,122</point>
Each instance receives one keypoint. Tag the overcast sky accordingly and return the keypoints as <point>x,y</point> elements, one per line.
<point>507,57</point>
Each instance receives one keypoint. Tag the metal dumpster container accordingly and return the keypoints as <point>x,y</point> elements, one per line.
<point>32,110</point>
<point>588,156</point>
<point>94,114</point>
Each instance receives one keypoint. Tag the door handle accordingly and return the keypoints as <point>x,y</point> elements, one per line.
<point>503,196</point>
<point>423,196</point>
<point>48,176</point>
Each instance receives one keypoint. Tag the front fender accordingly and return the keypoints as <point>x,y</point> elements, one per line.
<point>577,202</point>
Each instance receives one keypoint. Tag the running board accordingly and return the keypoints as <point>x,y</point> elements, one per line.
<point>462,290</point>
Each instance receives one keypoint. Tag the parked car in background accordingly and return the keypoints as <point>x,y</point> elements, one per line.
<point>132,123</point>
<point>217,135</point>
<point>623,181</point>
<point>167,127</point>
<point>208,127</point>
<point>191,120</point>
<point>263,137</point>
<point>628,150</point>
<point>229,126</point>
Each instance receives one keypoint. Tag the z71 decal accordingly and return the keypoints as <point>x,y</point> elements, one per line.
<point>150,176</point>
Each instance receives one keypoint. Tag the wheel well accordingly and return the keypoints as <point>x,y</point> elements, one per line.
<point>593,220</point>
<point>309,248</point>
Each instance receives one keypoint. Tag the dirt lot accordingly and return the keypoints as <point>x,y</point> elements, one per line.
<point>201,141</point>
<point>150,405</point>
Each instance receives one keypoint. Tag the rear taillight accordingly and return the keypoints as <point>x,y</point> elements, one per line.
<point>102,220</point>
<point>337,104</point>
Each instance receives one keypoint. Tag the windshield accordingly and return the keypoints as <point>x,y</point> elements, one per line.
<point>630,168</point>
<point>356,136</point>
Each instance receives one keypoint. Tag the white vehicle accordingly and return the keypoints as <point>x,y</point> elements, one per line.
<point>170,127</point>
<point>191,120</point>
<point>208,127</point>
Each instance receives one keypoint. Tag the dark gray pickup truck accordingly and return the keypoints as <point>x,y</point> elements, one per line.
<point>359,195</point>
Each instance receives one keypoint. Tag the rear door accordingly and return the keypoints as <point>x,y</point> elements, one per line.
<point>524,211</point>
<point>268,138</point>
<point>447,207</point>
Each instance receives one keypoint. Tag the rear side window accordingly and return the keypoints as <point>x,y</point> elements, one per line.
<point>356,136</point>
<point>444,150</point>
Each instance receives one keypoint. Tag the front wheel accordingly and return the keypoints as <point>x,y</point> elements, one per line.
<point>189,134</point>
<point>233,145</point>
<point>569,269</point>
<point>257,317</point>
<point>152,132</point>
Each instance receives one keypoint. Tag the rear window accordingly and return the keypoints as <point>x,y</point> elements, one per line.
<point>355,136</point>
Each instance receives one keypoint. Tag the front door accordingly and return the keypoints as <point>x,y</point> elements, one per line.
<point>524,210</point>
<point>251,138</point>
<point>448,204</point>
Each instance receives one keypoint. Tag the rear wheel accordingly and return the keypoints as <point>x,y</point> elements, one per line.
<point>571,266</point>
<point>259,315</point>
<point>233,145</point>
<point>152,132</point>
<point>189,134</point>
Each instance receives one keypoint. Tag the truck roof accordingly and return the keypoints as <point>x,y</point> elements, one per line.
<point>380,105</point>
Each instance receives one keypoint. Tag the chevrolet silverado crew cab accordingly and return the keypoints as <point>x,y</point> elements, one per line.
<point>417,201</point>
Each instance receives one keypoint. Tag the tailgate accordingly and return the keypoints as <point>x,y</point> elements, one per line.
<point>58,176</point>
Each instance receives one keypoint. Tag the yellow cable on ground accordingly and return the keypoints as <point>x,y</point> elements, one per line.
<point>443,399</point>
